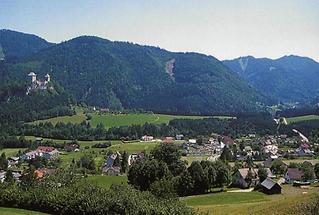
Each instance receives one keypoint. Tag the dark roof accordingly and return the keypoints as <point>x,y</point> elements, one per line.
<point>295,173</point>
<point>269,184</point>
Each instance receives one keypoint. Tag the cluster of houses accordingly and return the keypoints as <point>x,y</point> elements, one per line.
<point>248,177</point>
<point>48,152</point>
<point>213,147</point>
<point>111,168</point>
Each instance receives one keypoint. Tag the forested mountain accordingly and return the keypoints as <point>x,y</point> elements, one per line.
<point>125,75</point>
<point>16,107</point>
<point>289,79</point>
<point>16,44</point>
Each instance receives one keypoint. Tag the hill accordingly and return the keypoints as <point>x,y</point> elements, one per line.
<point>288,79</point>
<point>121,75</point>
<point>15,44</point>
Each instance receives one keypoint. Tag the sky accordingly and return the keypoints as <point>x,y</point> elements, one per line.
<point>225,29</point>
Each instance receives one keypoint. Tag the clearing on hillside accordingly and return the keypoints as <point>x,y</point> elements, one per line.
<point>302,118</point>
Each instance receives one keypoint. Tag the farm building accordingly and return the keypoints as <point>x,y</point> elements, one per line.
<point>293,174</point>
<point>270,187</point>
<point>111,171</point>
<point>245,178</point>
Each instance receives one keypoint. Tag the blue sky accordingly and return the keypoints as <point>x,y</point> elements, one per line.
<point>225,28</point>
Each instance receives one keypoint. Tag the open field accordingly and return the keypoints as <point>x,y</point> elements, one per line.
<point>302,118</point>
<point>11,151</point>
<point>77,119</point>
<point>252,202</point>
<point>82,143</point>
<point>134,147</point>
<point>106,181</point>
<point>114,120</point>
<point>16,211</point>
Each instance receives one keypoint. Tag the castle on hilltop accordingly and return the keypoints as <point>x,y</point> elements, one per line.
<point>38,84</point>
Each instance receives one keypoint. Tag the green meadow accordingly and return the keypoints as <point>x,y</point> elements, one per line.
<point>17,211</point>
<point>115,120</point>
<point>302,118</point>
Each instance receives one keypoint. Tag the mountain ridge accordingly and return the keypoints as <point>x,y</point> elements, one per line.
<point>120,75</point>
<point>290,78</point>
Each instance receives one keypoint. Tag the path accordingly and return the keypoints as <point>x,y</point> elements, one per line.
<point>241,190</point>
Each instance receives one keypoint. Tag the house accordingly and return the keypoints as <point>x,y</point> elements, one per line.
<point>110,160</point>
<point>269,186</point>
<point>269,173</point>
<point>304,152</point>
<point>111,171</point>
<point>16,176</point>
<point>228,141</point>
<point>104,110</point>
<point>13,161</point>
<point>135,158</point>
<point>168,140</point>
<point>2,176</point>
<point>241,178</point>
<point>147,138</point>
<point>293,174</point>
<point>192,141</point>
<point>179,136</point>
<point>71,147</point>
<point>44,172</point>
<point>29,155</point>
<point>48,152</point>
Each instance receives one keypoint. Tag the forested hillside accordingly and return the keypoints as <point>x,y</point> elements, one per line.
<point>17,45</point>
<point>288,79</point>
<point>16,107</point>
<point>121,75</point>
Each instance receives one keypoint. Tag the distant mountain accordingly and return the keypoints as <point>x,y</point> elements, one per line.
<point>125,75</point>
<point>15,44</point>
<point>290,78</point>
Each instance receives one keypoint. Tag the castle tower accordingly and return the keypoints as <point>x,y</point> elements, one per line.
<point>47,78</point>
<point>33,77</point>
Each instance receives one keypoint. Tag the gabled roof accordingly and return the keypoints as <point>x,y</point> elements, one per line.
<point>269,184</point>
<point>294,173</point>
<point>45,148</point>
<point>244,172</point>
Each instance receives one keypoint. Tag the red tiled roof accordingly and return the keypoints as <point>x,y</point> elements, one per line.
<point>45,148</point>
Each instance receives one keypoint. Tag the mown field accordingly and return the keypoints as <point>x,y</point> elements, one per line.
<point>114,120</point>
<point>77,119</point>
<point>16,211</point>
<point>252,202</point>
<point>302,118</point>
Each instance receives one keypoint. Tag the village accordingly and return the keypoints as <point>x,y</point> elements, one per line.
<point>271,156</point>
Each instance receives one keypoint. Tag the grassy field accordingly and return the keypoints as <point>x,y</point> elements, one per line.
<point>11,151</point>
<point>302,118</point>
<point>252,202</point>
<point>134,147</point>
<point>16,211</point>
<point>106,181</point>
<point>115,120</point>
<point>77,119</point>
